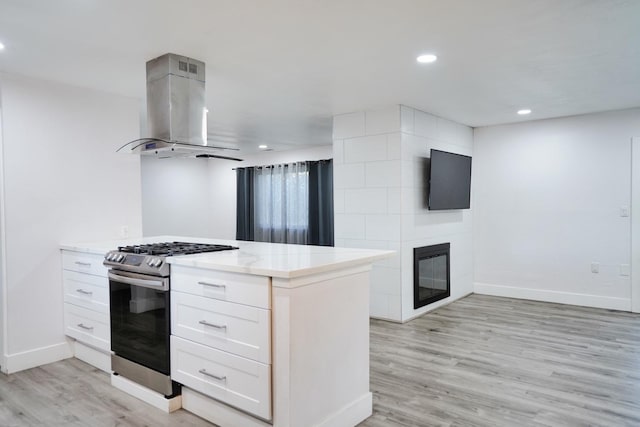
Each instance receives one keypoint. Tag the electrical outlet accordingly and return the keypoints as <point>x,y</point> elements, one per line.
<point>625,270</point>
<point>624,211</point>
<point>595,267</point>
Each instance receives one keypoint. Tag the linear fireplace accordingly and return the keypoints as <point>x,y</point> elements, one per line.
<point>430,274</point>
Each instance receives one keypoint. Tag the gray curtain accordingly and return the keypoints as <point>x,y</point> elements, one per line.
<point>244,204</point>
<point>321,203</point>
<point>288,203</point>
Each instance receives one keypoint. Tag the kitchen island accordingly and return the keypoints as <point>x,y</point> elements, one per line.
<point>269,333</point>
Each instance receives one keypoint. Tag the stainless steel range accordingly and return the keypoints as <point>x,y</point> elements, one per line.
<point>140,319</point>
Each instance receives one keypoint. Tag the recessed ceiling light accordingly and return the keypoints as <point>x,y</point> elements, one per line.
<point>1,46</point>
<point>262,146</point>
<point>524,111</point>
<point>426,59</point>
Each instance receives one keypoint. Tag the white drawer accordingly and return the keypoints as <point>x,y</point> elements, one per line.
<point>234,287</point>
<point>87,326</point>
<point>240,382</point>
<point>86,290</point>
<point>84,263</point>
<point>235,328</point>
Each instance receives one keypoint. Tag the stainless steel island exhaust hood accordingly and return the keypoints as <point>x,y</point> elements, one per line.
<point>176,110</point>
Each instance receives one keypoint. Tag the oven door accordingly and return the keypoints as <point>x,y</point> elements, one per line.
<point>140,323</point>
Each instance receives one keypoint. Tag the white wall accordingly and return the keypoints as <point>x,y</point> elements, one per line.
<point>547,198</point>
<point>175,197</point>
<point>63,181</point>
<point>635,224</point>
<point>379,200</point>
<point>197,197</point>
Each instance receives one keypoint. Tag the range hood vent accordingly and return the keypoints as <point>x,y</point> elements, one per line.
<point>176,111</point>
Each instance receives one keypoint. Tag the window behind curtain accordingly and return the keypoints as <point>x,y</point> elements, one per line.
<point>288,203</point>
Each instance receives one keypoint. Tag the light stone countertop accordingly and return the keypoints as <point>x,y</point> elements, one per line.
<point>264,259</point>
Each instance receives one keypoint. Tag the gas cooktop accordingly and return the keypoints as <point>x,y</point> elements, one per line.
<point>150,258</point>
<point>173,248</point>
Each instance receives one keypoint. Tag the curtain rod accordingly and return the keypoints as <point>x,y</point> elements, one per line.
<point>281,164</point>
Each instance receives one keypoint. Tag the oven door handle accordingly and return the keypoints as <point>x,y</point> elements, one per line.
<point>159,284</point>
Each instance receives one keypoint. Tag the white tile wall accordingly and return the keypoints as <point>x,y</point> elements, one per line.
<point>366,200</point>
<point>348,176</point>
<point>425,124</point>
<point>385,173</point>
<point>454,133</point>
<point>394,200</point>
<point>348,125</point>
<point>384,280</point>
<point>380,200</point>
<point>365,149</point>
<point>394,141</point>
<point>407,119</point>
<point>383,227</point>
<point>349,226</point>
<point>382,121</point>
<point>395,306</point>
<point>379,305</point>
<point>338,200</point>
<point>338,151</point>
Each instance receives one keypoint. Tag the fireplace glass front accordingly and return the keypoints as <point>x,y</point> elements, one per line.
<point>430,274</point>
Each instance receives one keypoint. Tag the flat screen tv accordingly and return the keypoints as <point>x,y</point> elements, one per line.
<point>449,184</point>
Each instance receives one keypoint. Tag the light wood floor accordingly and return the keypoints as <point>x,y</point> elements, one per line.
<point>481,361</point>
<point>487,361</point>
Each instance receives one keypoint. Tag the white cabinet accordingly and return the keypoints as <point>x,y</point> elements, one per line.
<point>239,329</point>
<point>233,287</point>
<point>221,336</point>
<point>87,326</point>
<point>86,306</point>
<point>240,382</point>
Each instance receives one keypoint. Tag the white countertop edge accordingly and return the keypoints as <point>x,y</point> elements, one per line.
<point>212,264</point>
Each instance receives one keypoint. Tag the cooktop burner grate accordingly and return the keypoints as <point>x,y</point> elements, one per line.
<point>173,248</point>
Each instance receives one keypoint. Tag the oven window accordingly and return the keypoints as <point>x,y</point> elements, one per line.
<point>140,325</point>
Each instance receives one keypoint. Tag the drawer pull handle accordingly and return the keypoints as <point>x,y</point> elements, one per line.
<point>85,264</point>
<point>82,291</point>
<point>213,325</point>
<point>88,328</point>
<point>213,285</point>
<point>204,372</point>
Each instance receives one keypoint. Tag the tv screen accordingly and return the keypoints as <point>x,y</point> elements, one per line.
<point>449,181</point>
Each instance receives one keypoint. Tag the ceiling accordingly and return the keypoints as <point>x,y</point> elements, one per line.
<point>278,70</point>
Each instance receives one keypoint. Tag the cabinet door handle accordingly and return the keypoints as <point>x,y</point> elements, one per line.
<point>88,328</point>
<point>219,378</point>
<point>213,325</point>
<point>82,291</point>
<point>86,264</point>
<point>213,285</point>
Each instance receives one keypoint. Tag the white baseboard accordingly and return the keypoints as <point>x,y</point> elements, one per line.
<point>433,306</point>
<point>146,395</point>
<point>352,414</point>
<point>37,357</point>
<point>585,300</point>
<point>386,319</point>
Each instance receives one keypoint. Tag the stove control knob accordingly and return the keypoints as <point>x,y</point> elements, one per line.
<point>150,262</point>
<point>158,263</point>
<point>119,258</point>
<point>110,257</point>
